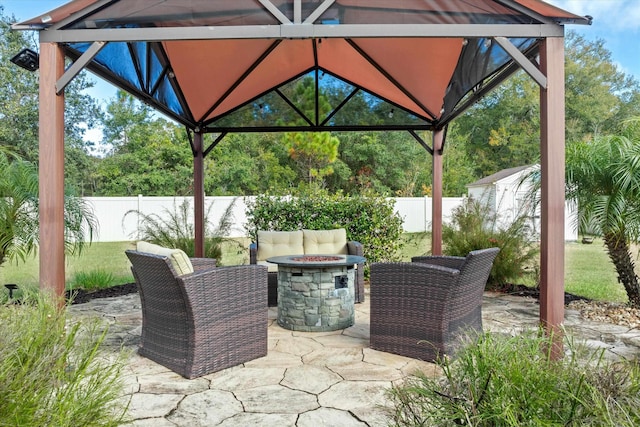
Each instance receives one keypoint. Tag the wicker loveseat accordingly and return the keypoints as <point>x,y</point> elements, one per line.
<point>327,242</point>
<point>200,322</point>
<point>424,308</point>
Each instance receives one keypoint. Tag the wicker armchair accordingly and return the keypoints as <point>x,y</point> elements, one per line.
<point>202,322</point>
<point>422,309</point>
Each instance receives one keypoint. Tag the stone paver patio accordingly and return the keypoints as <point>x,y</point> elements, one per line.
<point>307,378</point>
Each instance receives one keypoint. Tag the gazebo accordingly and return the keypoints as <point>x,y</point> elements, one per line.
<point>199,62</point>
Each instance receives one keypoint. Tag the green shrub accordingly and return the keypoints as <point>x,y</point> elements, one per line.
<point>368,219</point>
<point>175,229</point>
<point>92,280</point>
<point>508,381</point>
<point>51,373</point>
<point>473,226</point>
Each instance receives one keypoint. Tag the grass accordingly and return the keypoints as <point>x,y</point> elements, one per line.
<point>100,265</point>
<point>51,372</point>
<point>588,273</point>
<point>106,257</point>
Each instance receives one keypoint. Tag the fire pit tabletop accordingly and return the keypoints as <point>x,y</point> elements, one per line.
<point>316,260</point>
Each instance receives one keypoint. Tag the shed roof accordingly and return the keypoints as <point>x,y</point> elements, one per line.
<point>202,61</point>
<point>498,176</point>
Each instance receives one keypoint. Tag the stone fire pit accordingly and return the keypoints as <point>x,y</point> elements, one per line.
<point>316,292</point>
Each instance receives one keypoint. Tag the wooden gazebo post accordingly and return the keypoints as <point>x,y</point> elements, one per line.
<point>552,158</point>
<point>51,171</point>
<point>436,193</point>
<point>198,193</point>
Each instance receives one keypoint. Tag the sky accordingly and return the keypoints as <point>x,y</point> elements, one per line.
<point>617,22</point>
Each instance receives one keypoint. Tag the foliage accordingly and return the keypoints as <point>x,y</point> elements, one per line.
<point>175,229</point>
<point>368,219</point>
<point>19,213</point>
<point>383,162</point>
<point>92,279</point>
<point>503,128</point>
<point>51,373</point>
<point>596,89</point>
<point>244,164</point>
<point>603,177</point>
<point>505,381</point>
<point>473,226</point>
<point>313,153</point>
<point>19,109</point>
<point>150,157</point>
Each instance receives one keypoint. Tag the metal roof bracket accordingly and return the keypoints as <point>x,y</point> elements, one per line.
<point>78,66</point>
<point>529,67</point>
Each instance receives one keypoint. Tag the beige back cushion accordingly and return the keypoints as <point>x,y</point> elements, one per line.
<point>179,260</point>
<point>325,241</point>
<point>278,243</point>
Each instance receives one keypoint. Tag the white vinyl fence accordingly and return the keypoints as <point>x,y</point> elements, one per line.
<point>116,224</point>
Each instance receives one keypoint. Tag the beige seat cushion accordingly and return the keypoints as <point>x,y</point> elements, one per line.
<point>325,241</point>
<point>271,267</point>
<point>279,243</point>
<point>179,260</point>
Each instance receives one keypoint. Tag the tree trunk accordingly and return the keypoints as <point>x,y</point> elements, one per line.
<point>619,252</point>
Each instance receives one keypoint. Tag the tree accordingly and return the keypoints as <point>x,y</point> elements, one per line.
<point>596,91</point>
<point>150,156</point>
<point>503,128</point>
<point>19,213</point>
<point>247,164</point>
<point>19,109</point>
<point>603,177</point>
<point>386,162</point>
<point>312,152</point>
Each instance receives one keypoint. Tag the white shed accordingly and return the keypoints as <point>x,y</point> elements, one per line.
<point>505,192</point>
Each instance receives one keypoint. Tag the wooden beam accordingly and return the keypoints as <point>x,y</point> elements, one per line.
<point>552,156</point>
<point>51,172</point>
<point>436,193</point>
<point>198,193</point>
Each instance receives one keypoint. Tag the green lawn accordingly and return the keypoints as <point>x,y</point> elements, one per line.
<point>589,272</point>
<point>108,256</point>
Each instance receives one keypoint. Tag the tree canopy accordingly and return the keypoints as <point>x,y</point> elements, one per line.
<point>19,110</point>
<point>603,178</point>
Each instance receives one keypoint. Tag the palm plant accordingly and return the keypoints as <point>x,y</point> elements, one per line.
<point>176,229</point>
<point>19,212</point>
<point>603,177</point>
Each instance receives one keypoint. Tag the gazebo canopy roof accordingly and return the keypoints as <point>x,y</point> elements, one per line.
<point>201,62</point>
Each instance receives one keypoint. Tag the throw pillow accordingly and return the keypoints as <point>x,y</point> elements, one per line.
<point>178,258</point>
